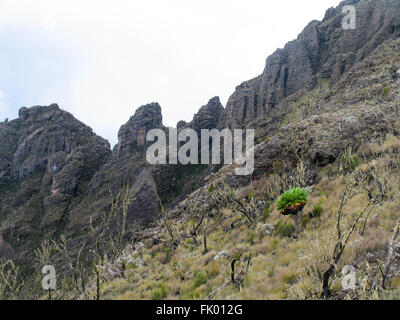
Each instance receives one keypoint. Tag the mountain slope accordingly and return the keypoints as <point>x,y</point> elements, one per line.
<point>48,158</point>
<point>360,122</point>
<point>329,91</point>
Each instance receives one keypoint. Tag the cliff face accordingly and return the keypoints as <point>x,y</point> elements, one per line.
<point>133,134</point>
<point>208,116</point>
<point>126,165</point>
<point>324,50</point>
<point>176,181</point>
<point>46,138</point>
<point>47,159</point>
<point>56,174</point>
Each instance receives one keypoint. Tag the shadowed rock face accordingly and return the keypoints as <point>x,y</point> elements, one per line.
<point>133,133</point>
<point>50,140</point>
<point>127,165</point>
<point>208,116</point>
<point>47,159</point>
<point>324,50</point>
<point>176,181</point>
<point>56,173</point>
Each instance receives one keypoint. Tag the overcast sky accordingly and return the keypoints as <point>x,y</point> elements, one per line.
<point>101,60</point>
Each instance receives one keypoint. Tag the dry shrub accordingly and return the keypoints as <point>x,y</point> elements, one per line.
<point>371,243</point>
<point>317,255</point>
<point>279,183</point>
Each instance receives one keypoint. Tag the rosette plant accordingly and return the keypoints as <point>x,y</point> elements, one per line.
<point>292,202</point>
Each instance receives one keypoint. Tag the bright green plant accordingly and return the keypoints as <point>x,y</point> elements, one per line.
<point>292,198</point>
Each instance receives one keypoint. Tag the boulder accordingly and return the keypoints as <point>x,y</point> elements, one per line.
<point>222,254</point>
<point>267,229</point>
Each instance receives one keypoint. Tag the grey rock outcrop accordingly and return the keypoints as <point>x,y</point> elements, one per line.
<point>324,50</point>
<point>47,159</point>
<point>221,255</point>
<point>127,165</point>
<point>133,133</point>
<point>52,141</point>
<point>267,229</point>
<point>208,116</point>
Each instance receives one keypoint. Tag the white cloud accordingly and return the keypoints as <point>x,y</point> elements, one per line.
<point>2,95</point>
<point>179,53</point>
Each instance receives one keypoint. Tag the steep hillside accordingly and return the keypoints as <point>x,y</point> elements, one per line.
<point>326,115</point>
<point>350,165</point>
